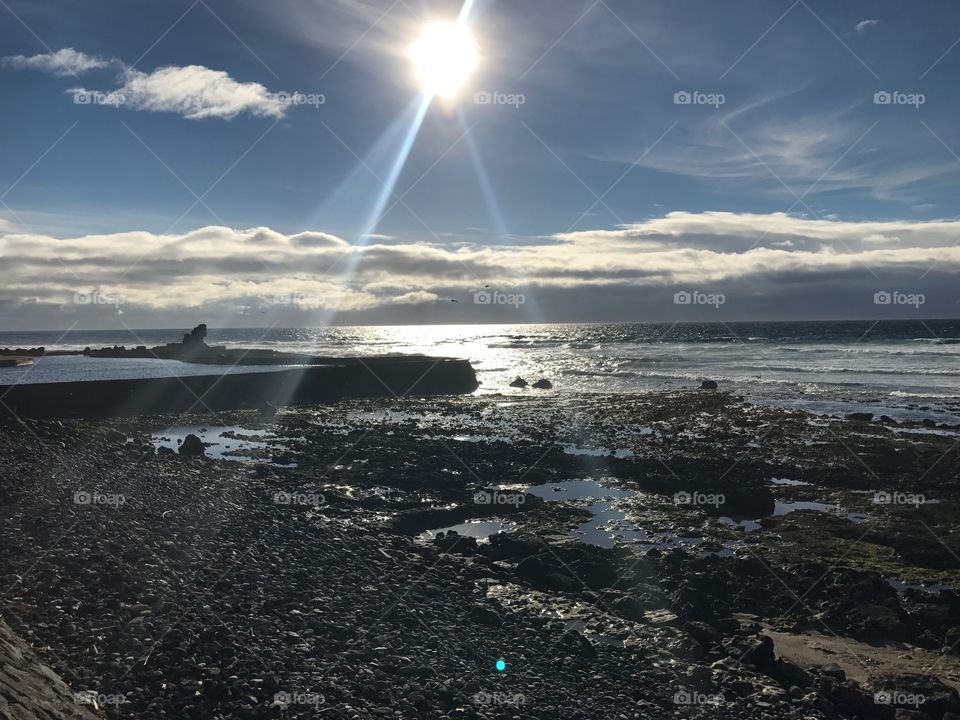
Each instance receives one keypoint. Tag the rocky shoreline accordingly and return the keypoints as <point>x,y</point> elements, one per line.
<point>667,555</point>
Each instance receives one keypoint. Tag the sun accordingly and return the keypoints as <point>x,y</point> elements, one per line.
<point>444,56</point>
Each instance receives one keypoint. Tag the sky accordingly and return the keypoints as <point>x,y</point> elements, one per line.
<point>254,164</point>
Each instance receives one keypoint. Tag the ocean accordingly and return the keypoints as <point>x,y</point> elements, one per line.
<point>905,369</point>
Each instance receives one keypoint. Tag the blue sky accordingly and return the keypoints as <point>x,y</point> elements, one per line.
<point>783,126</point>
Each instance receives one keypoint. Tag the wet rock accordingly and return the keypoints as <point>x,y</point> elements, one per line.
<point>192,446</point>
<point>519,382</point>
<point>543,384</point>
<point>860,416</point>
<point>164,450</point>
<point>708,385</point>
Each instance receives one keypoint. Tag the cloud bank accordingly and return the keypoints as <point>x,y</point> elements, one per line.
<point>230,273</point>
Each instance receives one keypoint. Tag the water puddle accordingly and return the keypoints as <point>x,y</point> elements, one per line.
<point>598,452</point>
<point>479,529</point>
<point>785,507</point>
<point>609,525</point>
<point>932,588</point>
<point>222,442</point>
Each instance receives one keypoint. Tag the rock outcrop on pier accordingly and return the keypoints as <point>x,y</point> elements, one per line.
<point>327,381</point>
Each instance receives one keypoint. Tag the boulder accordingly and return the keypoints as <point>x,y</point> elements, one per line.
<point>860,416</point>
<point>543,384</point>
<point>708,385</point>
<point>519,382</point>
<point>192,446</point>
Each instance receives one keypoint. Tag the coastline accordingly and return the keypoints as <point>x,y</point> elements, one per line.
<point>200,587</point>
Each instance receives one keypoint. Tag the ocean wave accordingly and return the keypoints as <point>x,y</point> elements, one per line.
<point>598,373</point>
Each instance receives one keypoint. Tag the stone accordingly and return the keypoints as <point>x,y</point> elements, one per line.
<point>543,384</point>
<point>519,382</point>
<point>193,446</point>
<point>708,385</point>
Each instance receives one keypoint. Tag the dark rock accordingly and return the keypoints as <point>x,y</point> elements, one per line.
<point>543,384</point>
<point>519,382</point>
<point>760,654</point>
<point>485,615</point>
<point>703,632</point>
<point>164,450</point>
<point>629,607</point>
<point>835,671</point>
<point>193,446</point>
<point>860,416</point>
<point>708,385</point>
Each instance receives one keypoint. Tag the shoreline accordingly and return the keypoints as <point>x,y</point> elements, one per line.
<point>186,587</point>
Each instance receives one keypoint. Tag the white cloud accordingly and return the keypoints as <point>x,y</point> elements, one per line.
<point>865,25</point>
<point>195,92</point>
<point>768,144</point>
<point>65,61</point>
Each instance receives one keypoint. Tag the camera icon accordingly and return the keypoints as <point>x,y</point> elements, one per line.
<point>882,98</point>
<point>682,298</point>
<point>282,498</point>
<point>682,98</point>
<point>882,298</point>
<point>482,498</point>
<point>82,299</point>
<point>882,498</point>
<point>884,697</point>
<point>482,698</point>
<point>682,697</point>
<point>82,497</point>
<point>283,698</point>
<point>81,97</point>
<point>482,297</point>
<point>482,98</point>
<point>682,498</point>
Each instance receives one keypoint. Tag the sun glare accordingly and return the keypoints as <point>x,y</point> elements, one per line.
<point>444,56</point>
